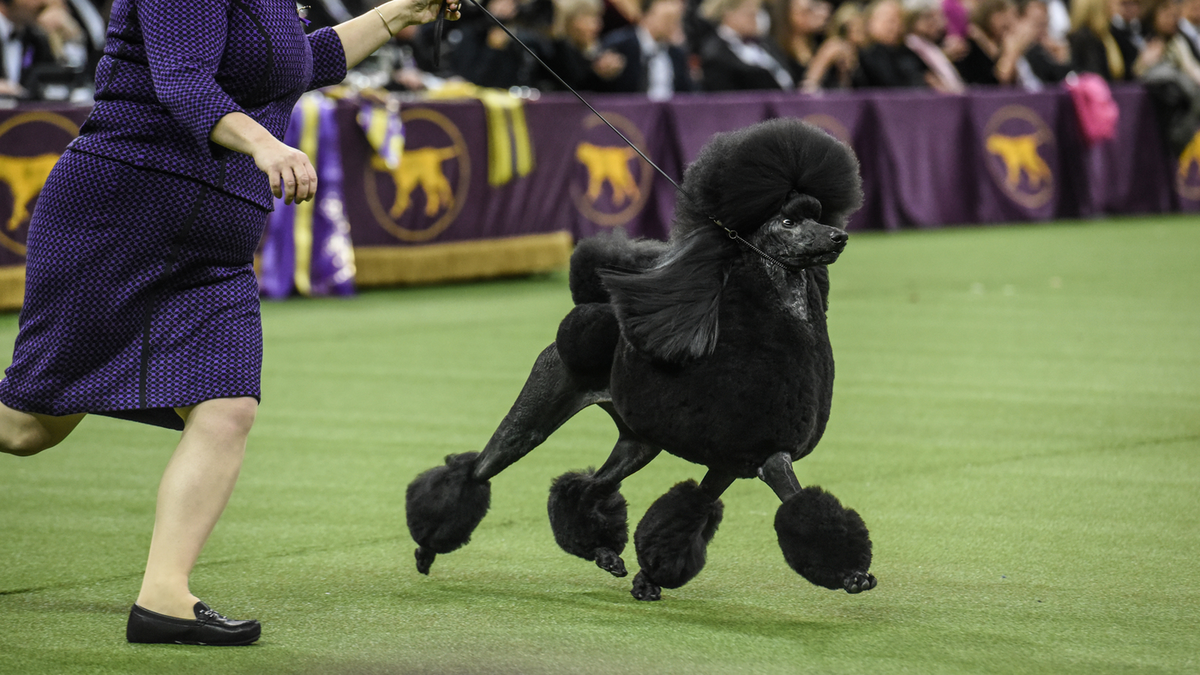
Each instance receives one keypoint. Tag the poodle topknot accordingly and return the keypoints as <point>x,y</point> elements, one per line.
<point>743,177</point>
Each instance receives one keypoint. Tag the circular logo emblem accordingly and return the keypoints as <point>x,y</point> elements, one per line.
<point>1017,142</point>
<point>419,199</point>
<point>829,124</point>
<point>1187,179</point>
<point>611,182</point>
<point>24,166</point>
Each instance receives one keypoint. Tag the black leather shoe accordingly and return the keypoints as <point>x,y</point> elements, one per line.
<point>209,628</point>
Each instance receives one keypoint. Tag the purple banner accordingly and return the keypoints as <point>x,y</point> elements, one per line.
<point>487,168</point>
<point>31,141</point>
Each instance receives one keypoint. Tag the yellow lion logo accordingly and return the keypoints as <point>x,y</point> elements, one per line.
<point>1190,156</point>
<point>420,168</point>
<point>25,177</point>
<point>1020,153</point>
<point>609,165</point>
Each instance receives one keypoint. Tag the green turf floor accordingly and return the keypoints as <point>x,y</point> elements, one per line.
<point>1016,416</point>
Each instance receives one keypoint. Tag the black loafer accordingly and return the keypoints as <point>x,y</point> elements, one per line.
<point>209,628</point>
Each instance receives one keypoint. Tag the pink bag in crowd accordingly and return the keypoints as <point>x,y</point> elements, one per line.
<point>1094,106</point>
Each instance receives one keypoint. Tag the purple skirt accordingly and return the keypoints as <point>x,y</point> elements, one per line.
<point>140,295</point>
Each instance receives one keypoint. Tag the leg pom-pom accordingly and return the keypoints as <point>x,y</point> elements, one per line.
<point>589,519</point>
<point>825,542</point>
<point>672,538</point>
<point>443,507</point>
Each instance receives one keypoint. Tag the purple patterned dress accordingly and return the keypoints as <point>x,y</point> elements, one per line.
<point>140,293</point>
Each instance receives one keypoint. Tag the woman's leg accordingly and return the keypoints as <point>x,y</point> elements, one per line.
<point>24,434</point>
<point>194,490</point>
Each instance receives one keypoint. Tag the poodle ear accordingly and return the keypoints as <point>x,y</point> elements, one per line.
<point>670,311</point>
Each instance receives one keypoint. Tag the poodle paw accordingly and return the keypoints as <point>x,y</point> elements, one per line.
<point>857,582</point>
<point>609,561</point>
<point>424,559</point>
<point>644,589</point>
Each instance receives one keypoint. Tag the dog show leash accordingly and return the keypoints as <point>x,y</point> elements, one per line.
<point>438,30</point>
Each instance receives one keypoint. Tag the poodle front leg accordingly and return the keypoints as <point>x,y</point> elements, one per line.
<point>823,541</point>
<point>587,511</point>
<point>445,504</point>
<point>672,538</point>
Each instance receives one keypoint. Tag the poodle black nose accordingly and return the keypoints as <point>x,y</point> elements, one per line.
<point>839,237</point>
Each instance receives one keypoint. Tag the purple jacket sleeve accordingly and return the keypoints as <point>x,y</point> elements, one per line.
<point>329,58</point>
<point>185,40</point>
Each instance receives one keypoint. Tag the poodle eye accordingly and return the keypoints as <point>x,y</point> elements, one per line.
<point>788,222</point>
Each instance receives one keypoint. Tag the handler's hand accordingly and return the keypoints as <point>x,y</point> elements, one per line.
<point>424,11</point>
<point>291,173</point>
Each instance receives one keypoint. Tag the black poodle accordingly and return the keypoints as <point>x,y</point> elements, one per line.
<point>713,347</point>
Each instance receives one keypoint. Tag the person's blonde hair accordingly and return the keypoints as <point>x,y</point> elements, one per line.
<point>839,21</point>
<point>565,12</point>
<point>1094,15</point>
<point>715,10</point>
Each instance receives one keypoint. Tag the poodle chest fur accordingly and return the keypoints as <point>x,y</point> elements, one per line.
<point>766,388</point>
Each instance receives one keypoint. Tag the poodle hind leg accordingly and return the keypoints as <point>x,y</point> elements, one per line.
<point>445,504</point>
<point>672,538</point>
<point>823,541</point>
<point>587,511</point>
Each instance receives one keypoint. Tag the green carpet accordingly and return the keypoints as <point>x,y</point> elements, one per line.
<point>1016,417</point>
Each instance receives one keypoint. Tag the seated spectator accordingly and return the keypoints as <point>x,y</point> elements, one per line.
<point>1048,59</point>
<point>575,48</point>
<point>886,61</point>
<point>835,64</point>
<point>1094,47</point>
<point>1171,73</point>
<point>997,41</point>
<point>797,27</point>
<point>1127,28</point>
<point>482,53</point>
<point>736,57</point>
<point>926,23</point>
<point>25,50</point>
<point>1189,25</point>
<point>654,63</point>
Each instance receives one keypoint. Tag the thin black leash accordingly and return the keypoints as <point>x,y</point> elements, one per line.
<point>437,32</point>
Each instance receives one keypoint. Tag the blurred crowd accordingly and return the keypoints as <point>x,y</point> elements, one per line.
<point>49,48</point>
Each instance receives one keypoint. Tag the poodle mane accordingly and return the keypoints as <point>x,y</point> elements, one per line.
<point>670,310</point>
<point>742,178</point>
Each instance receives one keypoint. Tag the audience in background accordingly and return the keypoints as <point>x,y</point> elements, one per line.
<point>655,63</point>
<point>797,27</point>
<point>925,21</point>
<point>664,47</point>
<point>1189,24</point>
<point>1094,47</point>
<point>1047,60</point>
<point>997,41</point>
<point>1171,72</point>
<point>886,61</point>
<point>835,65</point>
<point>575,52</point>
<point>737,56</point>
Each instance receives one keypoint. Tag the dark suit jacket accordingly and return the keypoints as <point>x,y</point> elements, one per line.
<point>35,55</point>
<point>724,71</point>
<point>634,78</point>
<point>898,66</point>
<point>1089,55</point>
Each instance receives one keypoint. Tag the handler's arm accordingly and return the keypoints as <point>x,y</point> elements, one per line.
<point>291,173</point>
<point>361,36</point>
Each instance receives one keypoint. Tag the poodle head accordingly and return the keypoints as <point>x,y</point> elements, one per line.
<point>744,179</point>
<point>795,237</point>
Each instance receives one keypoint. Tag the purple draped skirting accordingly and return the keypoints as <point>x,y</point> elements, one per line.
<point>140,295</point>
